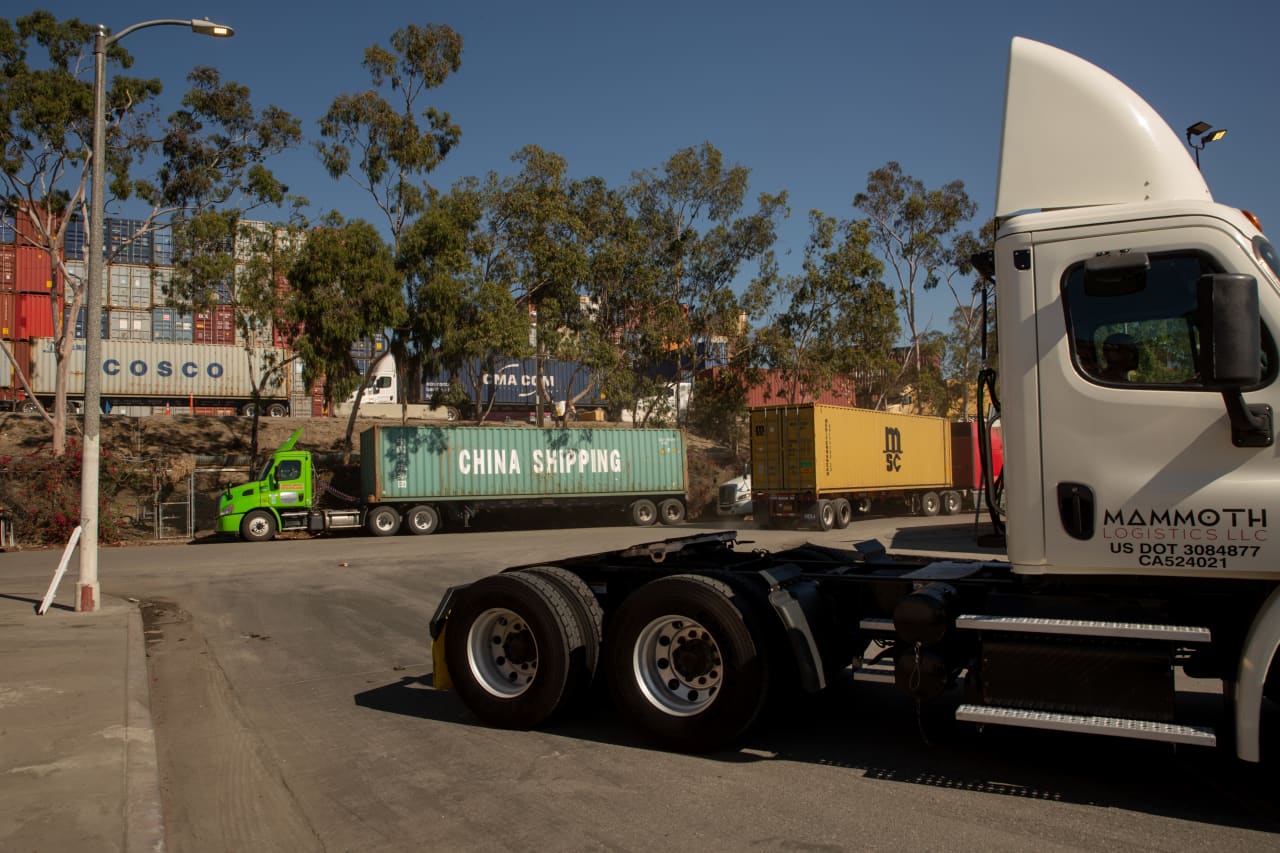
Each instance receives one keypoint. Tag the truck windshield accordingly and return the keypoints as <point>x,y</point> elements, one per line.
<point>266,469</point>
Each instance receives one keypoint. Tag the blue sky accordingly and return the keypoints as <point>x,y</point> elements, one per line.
<point>811,96</point>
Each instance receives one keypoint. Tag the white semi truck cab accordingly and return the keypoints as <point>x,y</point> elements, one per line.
<point>1137,323</point>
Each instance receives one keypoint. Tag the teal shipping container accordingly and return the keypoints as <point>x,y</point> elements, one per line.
<point>517,463</point>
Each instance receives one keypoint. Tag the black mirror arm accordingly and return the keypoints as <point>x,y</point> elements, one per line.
<point>1251,425</point>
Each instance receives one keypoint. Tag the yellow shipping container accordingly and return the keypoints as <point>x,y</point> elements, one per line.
<point>837,450</point>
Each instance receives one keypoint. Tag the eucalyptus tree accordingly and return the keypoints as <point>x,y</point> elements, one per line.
<point>696,239</point>
<point>464,314</point>
<point>910,225</point>
<point>384,139</point>
<point>209,153</point>
<point>347,288</point>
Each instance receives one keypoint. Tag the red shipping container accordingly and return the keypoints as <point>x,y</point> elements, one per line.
<point>34,274</point>
<point>774,389</point>
<point>966,460</point>
<point>215,327</point>
<point>8,268</point>
<point>34,316</point>
<point>8,316</point>
<point>21,351</point>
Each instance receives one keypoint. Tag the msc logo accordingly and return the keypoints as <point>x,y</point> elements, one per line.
<point>892,449</point>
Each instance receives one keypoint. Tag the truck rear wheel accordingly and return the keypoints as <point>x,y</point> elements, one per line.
<point>930,503</point>
<point>382,521</point>
<point>509,642</point>
<point>29,407</point>
<point>685,663</point>
<point>586,607</point>
<point>643,513</point>
<point>422,520</point>
<point>277,410</point>
<point>844,513</point>
<point>951,502</point>
<point>671,511</point>
<point>258,526</point>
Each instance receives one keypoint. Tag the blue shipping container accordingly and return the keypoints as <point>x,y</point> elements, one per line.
<point>514,382</point>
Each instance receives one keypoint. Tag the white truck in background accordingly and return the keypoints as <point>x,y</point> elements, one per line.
<point>1138,502</point>
<point>381,398</point>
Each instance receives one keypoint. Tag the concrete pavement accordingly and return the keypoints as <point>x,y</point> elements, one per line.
<point>78,766</point>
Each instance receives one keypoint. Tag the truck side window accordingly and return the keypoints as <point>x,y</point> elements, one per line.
<point>289,470</point>
<point>1137,327</point>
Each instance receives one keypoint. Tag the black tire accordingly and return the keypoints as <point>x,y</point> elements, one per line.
<point>826,515</point>
<point>248,409</point>
<point>586,607</point>
<point>951,502</point>
<point>644,513</point>
<point>930,503</point>
<point>258,526</point>
<point>844,513</point>
<point>451,413</point>
<point>382,521</point>
<point>29,407</point>
<point>716,692</point>
<point>862,506</point>
<point>277,410</point>
<point>422,520</point>
<point>671,511</point>
<point>510,643</point>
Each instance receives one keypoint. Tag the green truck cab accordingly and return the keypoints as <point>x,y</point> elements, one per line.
<point>286,483</point>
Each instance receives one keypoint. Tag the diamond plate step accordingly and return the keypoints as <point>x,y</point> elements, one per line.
<point>1084,628</point>
<point>1113,726</point>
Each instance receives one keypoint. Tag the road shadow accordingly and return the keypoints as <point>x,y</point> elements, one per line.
<point>874,730</point>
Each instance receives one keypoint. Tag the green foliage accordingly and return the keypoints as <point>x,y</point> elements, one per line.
<point>42,493</point>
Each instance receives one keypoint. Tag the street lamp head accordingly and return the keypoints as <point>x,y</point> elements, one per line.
<point>1213,137</point>
<point>1198,128</point>
<point>206,27</point>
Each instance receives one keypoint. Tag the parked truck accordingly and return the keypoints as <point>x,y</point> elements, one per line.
<point>382,398</point>
<point>1138,503</point>
<point>823,464</point>
<point>152,374</point>
<point>423,476</point>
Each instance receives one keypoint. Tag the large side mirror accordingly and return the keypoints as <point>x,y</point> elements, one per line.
<point>1230,328</point>
<point>1230,331</point>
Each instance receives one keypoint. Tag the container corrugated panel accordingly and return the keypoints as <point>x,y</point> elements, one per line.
<point>138,368</point>
<point>476,463</point>
<point>75,241</point>
<point>214,327</point>
<point>78,328</point>
<point>162,246</point>
<point>170,325</point>
<point>126,324</point>
<point>7,231</point>
<point>161,282</point>
<point>129,286</point>
<point>77,271</point>
<point>835,448</point>
<point>8,268</point>
<point>33,270</point>
<point>34,315</point>
<point>515,381</point>
<point>8,316</point>
<point>127,243</point>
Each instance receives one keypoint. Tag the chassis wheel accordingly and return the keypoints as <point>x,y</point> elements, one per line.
<point>951,502</point>
<point>382,521</point>
<point>511,643</point>
<point>862,506</point>
<point>258,526</point>
<point>422,520</point>
<point>671,511</point>
<point>685,662</point>
<point>643,513</point>
<point>826,514</point>
<point>277,410</point>
<point>844,513</point>
<point>930,503</point>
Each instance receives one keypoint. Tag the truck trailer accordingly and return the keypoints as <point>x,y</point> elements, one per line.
<point>423,476</point>
<point>152,374</point>
<point>1138,502</point>
<point>823,464</point>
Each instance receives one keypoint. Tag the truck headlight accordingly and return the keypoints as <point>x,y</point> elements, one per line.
<point>226,509</point>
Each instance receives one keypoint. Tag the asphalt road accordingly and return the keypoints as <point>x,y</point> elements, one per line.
<point>291,695</point>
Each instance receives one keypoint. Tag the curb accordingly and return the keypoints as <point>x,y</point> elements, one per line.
<point>144,816</point>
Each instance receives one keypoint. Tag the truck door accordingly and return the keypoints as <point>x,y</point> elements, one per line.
<point>1140,473</point>
<point>289,482</point>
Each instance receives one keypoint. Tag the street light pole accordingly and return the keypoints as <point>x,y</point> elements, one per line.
<point>87,588</point>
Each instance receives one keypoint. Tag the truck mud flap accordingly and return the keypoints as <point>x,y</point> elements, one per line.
<point>440,679</point>
<point>795,605</point>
